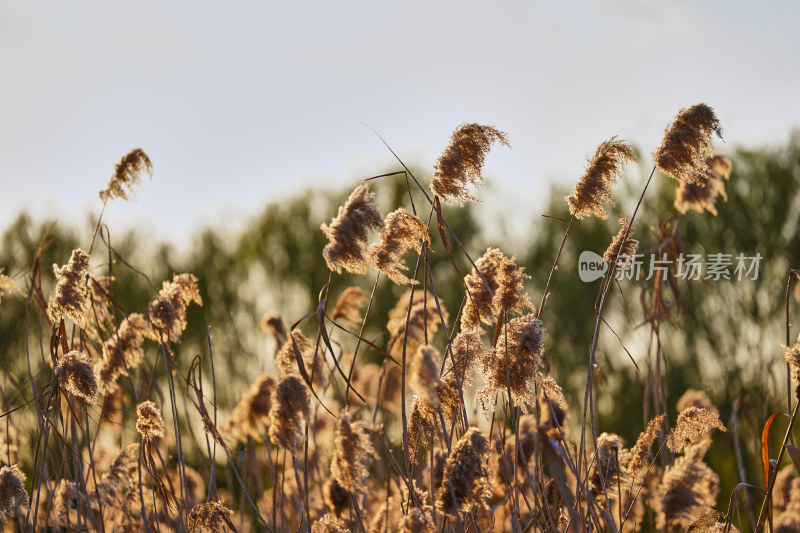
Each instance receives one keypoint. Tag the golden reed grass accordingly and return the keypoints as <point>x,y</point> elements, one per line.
<point>296,452</point>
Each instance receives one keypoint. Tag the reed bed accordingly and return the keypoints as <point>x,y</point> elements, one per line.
<point>449,421</point>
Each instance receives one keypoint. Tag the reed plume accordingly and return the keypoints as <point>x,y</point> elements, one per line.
<point>518,449</point>
<point>348,232</point>
<point>72,293</point>
<point>423,419</point>
<point>211,516</point>
<point>329,524</point>
<point>286,359</point>
<point>693,423</point>
<point>290,410</point>
<point>710,522</point>
<point>608,472</point>
<point>7,285</point>
<point>336,497</point>
<point>467,351</point>
<point>415,521</point>
<point>696,197</point>
<point>416,326</point>
<point>122,351</point>
<point>250,417</point>
<point>75,374</point>
<point>792,356</point>
<point>149,422</point>
<point>602,172</point>
<point>167,312</point>
<point>348,306</point>
<point>401,231</point>
<point>12,491</point>
<point>117,488</point>
<point>465,482</point>
<point>688,488</point>
<point>351,448</point>
<point>461,162</point>
<point>686,143</point>
<point>622,249</point>
<point>497,290</point>
<point>514,364</point>
<point>641,453</point>
<point>424,373</point>
<point>127,175</point>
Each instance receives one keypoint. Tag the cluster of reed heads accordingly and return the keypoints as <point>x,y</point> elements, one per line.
<point>461,427</point>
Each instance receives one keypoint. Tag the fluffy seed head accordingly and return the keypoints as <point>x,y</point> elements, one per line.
<point>594,188</point>
<point>348,306</point>
<point>127,175</point>
<point>290,409</point>
<point>688,488</point>
<point>149,422</point>
<point>122,351</point>
<point>468,350</point>
<point>461,163</point>
<point>697,197</point>
<point>608,468</point>
<point>693,423</point>
<point>330,524</point>
<point>641,452</point>
<point>514,364</point>
<point>622,249</point>
<point>12,491</point>
<point>411,326</point>
<point>250,418</point>
<point>271,323</point>
<point>465,483</point>
<point>351,446</point>
<point>8,285</point>
<point>686,143</point>
<point>423,420</point>
<point>74,373</point>
<point>286,359</point>
<point>695,398</point>
<point>792,356</point>
<point>336,497</point>
<point>417,522</point>
<point>348,232</point>
<point>211,516</point>
<point>401,231</point>
<point>72,293</point>
<point>167,312</point>
<point>711,522</point>
<point>424,372</point>
<point>499,291</point>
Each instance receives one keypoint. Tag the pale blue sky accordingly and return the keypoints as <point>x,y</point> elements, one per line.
<point>239,103</point>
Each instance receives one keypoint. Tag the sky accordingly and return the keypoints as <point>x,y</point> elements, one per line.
<point>240,104</point>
